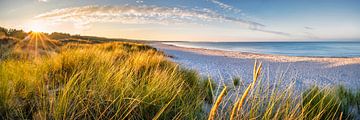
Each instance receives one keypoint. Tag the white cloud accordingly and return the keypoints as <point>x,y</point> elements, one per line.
<point>139,1</point>
<point>137,15</point>
<point>84,16</point>
<point>271,31</point>
<point>308,28</point>
<point>225,6</point>
<point>42,0</point>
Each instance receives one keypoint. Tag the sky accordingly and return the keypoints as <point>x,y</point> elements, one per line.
<point>189,20</point>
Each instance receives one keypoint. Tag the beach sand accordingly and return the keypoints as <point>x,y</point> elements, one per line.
<point>222,66</point>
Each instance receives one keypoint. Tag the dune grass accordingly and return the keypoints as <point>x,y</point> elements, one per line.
<point>123,80</point>
<point>99,81</point>
<point>264,100</point>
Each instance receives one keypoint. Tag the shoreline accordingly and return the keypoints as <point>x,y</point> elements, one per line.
<point>222,66</point>
<point>333,61</point>
<point>207,49</point>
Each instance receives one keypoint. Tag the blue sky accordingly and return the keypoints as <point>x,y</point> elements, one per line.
<point>190,20</point>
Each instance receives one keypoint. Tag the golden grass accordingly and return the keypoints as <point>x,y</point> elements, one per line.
<point>216,104</point>
<point>238,105</point>
<point>121,80</point>
<point>261,100</point>
<point>99,81</point>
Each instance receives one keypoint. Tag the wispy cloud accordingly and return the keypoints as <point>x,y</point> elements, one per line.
<point>83,16</point>
<point>272,32</point>
<point>225,6</point>
<point>139,1</point>
<point>308,28</point>
<point>137,15</point>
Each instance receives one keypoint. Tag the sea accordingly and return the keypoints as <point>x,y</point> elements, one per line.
<point>309,49</point>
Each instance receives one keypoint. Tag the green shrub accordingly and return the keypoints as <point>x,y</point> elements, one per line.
<point>236,81</point>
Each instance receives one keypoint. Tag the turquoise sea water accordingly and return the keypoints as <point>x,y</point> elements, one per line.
<point>318,49</point>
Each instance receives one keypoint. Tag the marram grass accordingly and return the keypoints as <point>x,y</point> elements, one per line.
<point>216,104</point>
<point>99,81</point>
<point>261,100</point>
<point>121,80</point>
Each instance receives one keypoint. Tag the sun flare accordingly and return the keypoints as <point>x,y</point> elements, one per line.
<point>36,27</point>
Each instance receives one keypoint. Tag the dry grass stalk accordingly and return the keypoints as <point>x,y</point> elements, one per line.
<point>341,114</point>
<point>239,103</point>
<point>216,105</point>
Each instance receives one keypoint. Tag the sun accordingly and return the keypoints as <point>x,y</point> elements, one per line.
<point>36,27</point>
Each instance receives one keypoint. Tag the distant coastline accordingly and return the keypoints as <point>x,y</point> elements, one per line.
<point>294,49</point>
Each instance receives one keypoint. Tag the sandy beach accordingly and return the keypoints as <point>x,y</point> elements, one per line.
<point>304,71</point>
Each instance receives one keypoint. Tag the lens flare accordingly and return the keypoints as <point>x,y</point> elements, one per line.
<point>36,26</point>
<point>36,44</point>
